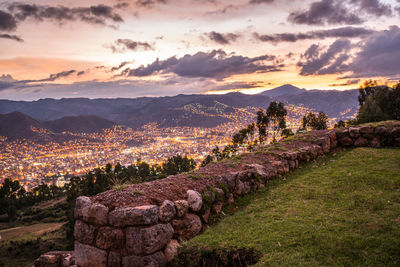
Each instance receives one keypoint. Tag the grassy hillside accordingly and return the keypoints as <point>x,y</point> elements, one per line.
<point>341,210</point>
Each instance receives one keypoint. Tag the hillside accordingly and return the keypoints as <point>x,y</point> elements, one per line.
<point>339,104</point>
<point>286,89</point>
<point>16,125</point>
<point>79,124</point>
<point>341,210</point>
<point>173,110</point>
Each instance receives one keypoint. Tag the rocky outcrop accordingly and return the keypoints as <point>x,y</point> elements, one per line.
<point>120,228</point>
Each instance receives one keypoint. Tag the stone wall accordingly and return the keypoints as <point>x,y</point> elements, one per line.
<point>144,229</point>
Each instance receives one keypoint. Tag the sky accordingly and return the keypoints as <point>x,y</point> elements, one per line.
<point>135,48</point>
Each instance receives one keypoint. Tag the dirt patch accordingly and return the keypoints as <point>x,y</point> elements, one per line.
<point>36,230</point>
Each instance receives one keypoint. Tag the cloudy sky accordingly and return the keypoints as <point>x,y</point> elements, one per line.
<point>122,48</point>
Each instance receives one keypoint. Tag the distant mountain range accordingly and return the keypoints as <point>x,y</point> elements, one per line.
<point>16,125</point>
<point>90,115</point>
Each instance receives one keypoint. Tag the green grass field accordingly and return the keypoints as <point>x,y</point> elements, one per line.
<point>343,210</point>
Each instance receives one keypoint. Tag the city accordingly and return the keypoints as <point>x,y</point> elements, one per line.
<point>54,163</point>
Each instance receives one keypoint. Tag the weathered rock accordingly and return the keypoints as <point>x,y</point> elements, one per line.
<point>247,187</point>
<point>280,167</point>
<point>375,142</point>
<point>182,207</point>
<point>171,250</point>
<point>366,130</point>
<point>130,216</point>
<point>155,260</point>
<point>148,240</point>
<point>220,192</point>
<point>205,215</point>
<point>397,141</point>
<point>292,164</point>
<point>361,142</point>
<point>217,207</point>
<point>239,189</point>
<point>354,132</point>
<point>395,133</point>
<point>345,141</point>
<point>231,199</point>
<point>194,200</point>
<point>110,238</point>
<point>381,131</point>
<point>188,227</point>
<point>167,211</point>
<point>257,171</point>
<point>324,143</point>
<point>88,256</point>
<point>83,232</point>
<point>114,259</point>
<point>47,260</point>
<point>90,212</point>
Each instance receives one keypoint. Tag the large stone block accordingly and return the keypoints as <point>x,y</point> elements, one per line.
<point>88,256</point>
<point>171,250</point>
<point>130,216</point>
<point>148,240</point>
<point>90,212</point>
<point>114,259</point>
<point>155,260</point>
<point>167,211</point>
<point>83,232</point>
<point>188,227</point>
<point>110,238</point>
<point>182,207</point>
<point>195,200</point>
<point>345,141</point>
<point>82,203</point>
<point>361,142</point>
<point>381,131</point>
<point>395,133</point>
<point>367,131</point>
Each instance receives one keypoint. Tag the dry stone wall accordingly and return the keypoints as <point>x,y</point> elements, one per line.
<point>132,234</point>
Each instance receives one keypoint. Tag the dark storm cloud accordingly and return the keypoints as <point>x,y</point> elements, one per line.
<point>7,22</point>
<point>120,66</point>
<point>57,76</point>
<point>222,38</point>
<point>373,7</point>
<point>315,61</point>
<point>11,37</point>
<point>215,64</point>
<point>346,83</point>
<point>325,12</point>
<point>97,14</point>
<point>377,55</point>
<point>340,12</point>
<point>260,1</point>
<point>149,3</point>
<point>344,32</point>
<point>237,85</point>
<point>122,45</point>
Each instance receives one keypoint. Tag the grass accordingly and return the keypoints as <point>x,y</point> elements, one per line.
<point>20,246</point>
<point>343,210</point>
<point>28,232</point>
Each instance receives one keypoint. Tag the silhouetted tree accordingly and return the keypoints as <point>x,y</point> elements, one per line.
<point>315,122</point>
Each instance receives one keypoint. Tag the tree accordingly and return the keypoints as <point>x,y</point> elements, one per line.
<point>276,114</point>
<point>178,164</point>
<point>378,102</point>
<point>315,122</point>
<point>340,124</point>
<point>286,133</point>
